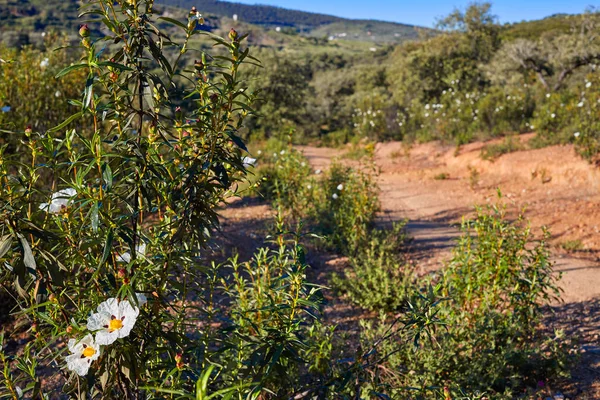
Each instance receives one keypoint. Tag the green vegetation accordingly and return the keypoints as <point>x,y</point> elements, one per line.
<point>109,201</point>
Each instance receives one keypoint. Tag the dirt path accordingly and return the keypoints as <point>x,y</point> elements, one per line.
<point>434,187</point>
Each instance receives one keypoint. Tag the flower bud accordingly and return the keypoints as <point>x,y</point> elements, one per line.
<point>193,11</point>
<point>233,35</point>
<point>69,329</point>
<point>179,360</point>
<point>84,31</point>
<point>199,65</point>
<point>121,273</point>
<point>28,130</point>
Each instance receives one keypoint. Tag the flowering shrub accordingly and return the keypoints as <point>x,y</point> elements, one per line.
<point>30,92</point>
<point>98,219</point>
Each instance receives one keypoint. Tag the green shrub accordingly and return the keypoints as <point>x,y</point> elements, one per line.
<point>31,94</point>
<point>378,276</point>
<point>492,294</point>
<point>509,145</point>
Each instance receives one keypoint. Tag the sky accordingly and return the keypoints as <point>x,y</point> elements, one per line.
<point>426,12</point>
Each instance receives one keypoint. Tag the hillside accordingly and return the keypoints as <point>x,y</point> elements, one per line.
<point>20,17</point>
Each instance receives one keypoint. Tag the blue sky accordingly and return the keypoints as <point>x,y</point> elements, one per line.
<point>425,12</point>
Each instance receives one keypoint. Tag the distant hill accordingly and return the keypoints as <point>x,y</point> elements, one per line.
<point>311,24</point>
<point>22,17</point>
<point>257,14</point>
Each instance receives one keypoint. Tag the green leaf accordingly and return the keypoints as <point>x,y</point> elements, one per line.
<point>107,176</point>
<point>70,68</point>
<point>66,122</point>
<point>238,141</point>
<point>94,217</point>
<point>28,258</point>
<point>5,243</point>
<point>175,22</point>
<point>107,246</point>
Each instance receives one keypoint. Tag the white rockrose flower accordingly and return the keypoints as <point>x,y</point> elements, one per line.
<point>83,352</point>
<point>259,152</point>
<point>59,201</point>
<point>114,320</point>
<point>588,85</point>
<point>580,104</point>
<point>318,171</point>
<point>248,162</point>
<point>335,196</point>
<point>309,187</point>
<point>44,63</point>
<point>576,134</point>
<point>57,93</point>
<point>140,249</point>
<point>340,187</point>
<point>282,152</point>
<point>553,115</point>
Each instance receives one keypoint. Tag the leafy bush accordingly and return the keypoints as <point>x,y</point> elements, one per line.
<point>101,233</point>
<point>30,93</point>
<point>378,278</point>
<point>493,151</point>
<point>492,294</point>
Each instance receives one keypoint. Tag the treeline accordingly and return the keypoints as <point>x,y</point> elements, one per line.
<point>477,79</point>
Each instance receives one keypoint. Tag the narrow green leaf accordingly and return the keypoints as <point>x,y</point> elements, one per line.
<point>28,258</point>
<point>5,243</point>
<point>174,22</point>
<point>70,68</point>
<point>66,122</point>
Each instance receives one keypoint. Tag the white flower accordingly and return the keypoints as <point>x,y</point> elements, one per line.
<point>335,196</point>
<point>340,187</point>
<point>83,352</point>
<point>60,200</point>
<point>589,84</point>
<point>309,187</point>
<point>318,171</point>
<point>282,152</point>
<point>576,134</point>
<point>580,104</point>
<point>532,127</point>
<point>303,164</point>
<point>553,115</point>
<point>248,162</point>
<point>259,152</point>
<point>114,320</point>
<point>44,63</point>
<point>140,249</point>
<point>547,95</point>
<point>57,93</point>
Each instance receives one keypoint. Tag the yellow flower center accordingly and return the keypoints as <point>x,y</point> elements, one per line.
<point>89,351</point>
<point>115,325</point>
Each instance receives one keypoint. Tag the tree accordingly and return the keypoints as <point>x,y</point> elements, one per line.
<point>552,59</point>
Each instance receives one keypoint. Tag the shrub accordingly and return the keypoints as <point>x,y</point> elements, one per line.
<point>378,277</point>
<point>490,299</point>
<point>101,233</point>
<point>31,94</point>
